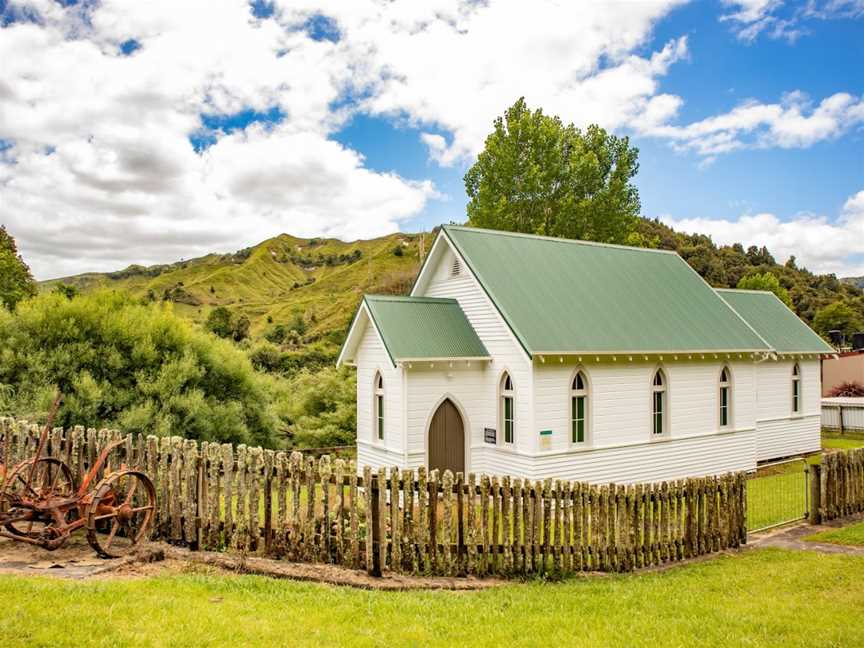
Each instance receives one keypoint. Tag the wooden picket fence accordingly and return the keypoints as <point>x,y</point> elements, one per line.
<point>242,499</point>
<point>840,480</point>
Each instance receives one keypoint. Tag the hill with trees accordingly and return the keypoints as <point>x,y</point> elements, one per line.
<point>294,296</point>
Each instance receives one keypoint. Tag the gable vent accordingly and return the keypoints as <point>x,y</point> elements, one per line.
<point>456,268</point>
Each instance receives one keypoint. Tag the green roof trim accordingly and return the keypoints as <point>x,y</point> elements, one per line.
<point>565,296</point>
<point>419,328</point>
<point>774,321</point>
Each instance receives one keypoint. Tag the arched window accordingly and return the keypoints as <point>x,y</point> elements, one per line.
<point>659,403</point>
<point>379,405</point>
<point>507,414</point>
<point>578,408</point>
<point>725,397</point>
<point>796,389</point>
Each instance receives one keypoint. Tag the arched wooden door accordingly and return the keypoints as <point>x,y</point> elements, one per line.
<point>447,439</point>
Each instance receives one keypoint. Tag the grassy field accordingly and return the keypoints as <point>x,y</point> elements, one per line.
<point>276,279</point>
<point>760,598</point>
<point>851,535</point>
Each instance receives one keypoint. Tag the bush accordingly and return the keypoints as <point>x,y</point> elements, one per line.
<point>225,324</point>
<point>848,389</point>
<point>322,410</point>
<point>136,367</point>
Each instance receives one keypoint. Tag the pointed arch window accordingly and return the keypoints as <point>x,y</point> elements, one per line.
<point>796,389</point>
<point>379,405</point>
<point>725,397</point>
<point>578,408</point>
<point>506,408</point>
<point>659,404</point>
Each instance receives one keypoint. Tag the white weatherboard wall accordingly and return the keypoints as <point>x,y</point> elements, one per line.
<point>779,432</point>
<point>619,414</point>
<point>475,389</point>
<point>373,357</point>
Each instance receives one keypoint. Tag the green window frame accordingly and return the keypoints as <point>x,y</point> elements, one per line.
<point>379,406</point>
<point>658,406</point>
<point>796,389</point>
<point>508,415</point>
<point>725,397</point>
<point>578,408</point>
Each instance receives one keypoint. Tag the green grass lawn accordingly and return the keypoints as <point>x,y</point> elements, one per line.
<point>844,442</point>
<point>765,597</point>
<point>851,535</point>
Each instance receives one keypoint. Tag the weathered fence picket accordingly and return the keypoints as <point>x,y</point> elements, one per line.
<point>217,496</point>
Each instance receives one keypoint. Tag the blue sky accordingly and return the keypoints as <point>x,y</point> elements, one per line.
<point>147,132</point>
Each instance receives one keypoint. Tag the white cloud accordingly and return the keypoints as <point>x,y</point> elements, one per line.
<point>816,242</point>
<point>777,19</point>
<point>792,123</point>
<point>104,173</point>
<point>456,65</point>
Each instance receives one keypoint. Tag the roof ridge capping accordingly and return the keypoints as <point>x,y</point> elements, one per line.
<point>411,299</point>
<point>747,290</point>
<point>556,239</point>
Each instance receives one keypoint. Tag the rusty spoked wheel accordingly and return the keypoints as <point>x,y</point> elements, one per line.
<point>51,479</point>
<point>120,513</point>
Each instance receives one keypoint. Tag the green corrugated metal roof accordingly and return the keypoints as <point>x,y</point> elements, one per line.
<point>424,327</point>
<point>566,296</point>
<point>773,320</point>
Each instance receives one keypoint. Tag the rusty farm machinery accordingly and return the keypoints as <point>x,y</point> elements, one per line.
<point>42,503</point>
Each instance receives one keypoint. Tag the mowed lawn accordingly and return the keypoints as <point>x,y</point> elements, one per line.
<point>851,535</point>
<point>766,597</point>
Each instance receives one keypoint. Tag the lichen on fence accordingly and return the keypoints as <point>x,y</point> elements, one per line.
<point>220,497</point>
<point>841,484</point>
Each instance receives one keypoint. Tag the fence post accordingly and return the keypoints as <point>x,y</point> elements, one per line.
<point>376,527</point>
<point>815,495</point>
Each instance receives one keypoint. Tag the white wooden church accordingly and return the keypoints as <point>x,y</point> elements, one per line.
<point>541,357</point>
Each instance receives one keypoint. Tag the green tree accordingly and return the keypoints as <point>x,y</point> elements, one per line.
<point>537,175</point>
<point>839,316</point>
<point>322,410</point>
<point>766,281</point>
<point>16,282</point>
<point>219,321</point>
<point>140,368</point>
<point>67,290</point>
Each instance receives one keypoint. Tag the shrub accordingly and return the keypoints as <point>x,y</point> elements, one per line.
<point>137,367</point>
<point>322,408</point>
<point>849,389</point>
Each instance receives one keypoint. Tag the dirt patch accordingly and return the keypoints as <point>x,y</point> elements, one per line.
<point>330,574</point>
<point>74,560</point>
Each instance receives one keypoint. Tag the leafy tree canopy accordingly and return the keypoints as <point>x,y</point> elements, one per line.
<point>226,324</point>
<point>839,316</point>
<point>16,282</point>
<point>136,367</point>
<point>766,281</point>
<point>537,175</point>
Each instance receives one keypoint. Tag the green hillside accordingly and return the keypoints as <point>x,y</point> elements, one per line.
<point>320,280</point>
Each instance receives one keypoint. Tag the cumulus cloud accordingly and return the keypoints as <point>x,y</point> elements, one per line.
<point>109,153</point>
<point>817,242</point>
<point>794,122</point>
<point>456,65</point>
<point>98,102</point>
<point>97,168</point>
<point>783,20</point>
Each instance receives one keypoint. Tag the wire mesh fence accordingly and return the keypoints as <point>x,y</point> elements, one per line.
<point>778,493</point>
